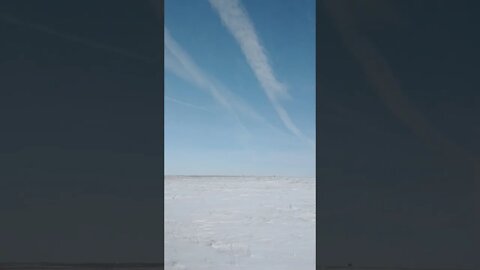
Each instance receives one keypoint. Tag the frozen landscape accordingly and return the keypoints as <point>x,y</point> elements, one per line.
<point>216,222</point>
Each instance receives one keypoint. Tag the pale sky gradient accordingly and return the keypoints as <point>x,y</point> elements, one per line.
<point>240,87</point>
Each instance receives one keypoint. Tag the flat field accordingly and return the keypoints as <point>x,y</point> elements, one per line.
<point>239,222</point>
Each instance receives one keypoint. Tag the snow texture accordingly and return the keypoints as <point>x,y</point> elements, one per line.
<point>239,223</point>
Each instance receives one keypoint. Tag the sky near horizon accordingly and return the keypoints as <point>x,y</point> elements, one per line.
<point>240,87</point>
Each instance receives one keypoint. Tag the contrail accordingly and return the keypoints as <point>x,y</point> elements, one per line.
<point>186,104</point>
<point>236,20</point>
<point>76,39</point>
<point>178,61</point>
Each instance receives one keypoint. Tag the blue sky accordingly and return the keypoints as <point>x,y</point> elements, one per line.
<point>240,87</point>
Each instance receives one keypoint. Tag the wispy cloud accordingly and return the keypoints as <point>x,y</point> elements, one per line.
<point>187,104</point>
<point>179,62</point>
<point>237,21</point>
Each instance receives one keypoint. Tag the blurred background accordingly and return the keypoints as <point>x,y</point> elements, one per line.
<point>397,129</point>
<point>81,131</point>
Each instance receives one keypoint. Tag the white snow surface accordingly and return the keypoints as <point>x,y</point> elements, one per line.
<point>239,223</point>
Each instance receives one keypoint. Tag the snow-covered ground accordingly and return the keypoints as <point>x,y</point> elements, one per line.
<point>239,223</point>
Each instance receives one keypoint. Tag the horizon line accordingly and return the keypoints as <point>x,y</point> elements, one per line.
<point>234,175</point>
